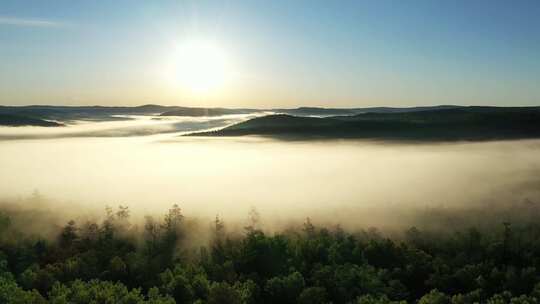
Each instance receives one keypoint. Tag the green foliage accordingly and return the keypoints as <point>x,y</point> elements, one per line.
<point>94,291</point>
<point>223,293</point>
<point>285,289</point>
<point>249,291</point>
<point>313,295</point>
<point>12,293</point>
<point>177,284</point>
<point>434,297</point>
<point>117,262</point>
<point>370,299</point>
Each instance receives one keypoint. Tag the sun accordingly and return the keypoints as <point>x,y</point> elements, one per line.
<point>202,66</point>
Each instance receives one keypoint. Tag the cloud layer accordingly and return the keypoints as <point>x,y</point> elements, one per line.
<point>28,22</point>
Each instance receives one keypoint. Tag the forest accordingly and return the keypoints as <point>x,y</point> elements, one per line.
<point>432,125</point>
<point>115,260</point>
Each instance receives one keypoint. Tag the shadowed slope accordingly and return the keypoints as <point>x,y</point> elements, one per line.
<point>17,120</point>
<point>467,123</point>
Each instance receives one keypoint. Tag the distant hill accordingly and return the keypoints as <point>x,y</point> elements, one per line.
<point>100,113</point>
<point>404,110</point>
<point>317,111</point>
<point>70,113</point>
<point>455,123</point>
<point>17,121</point>
<point>185,111</point>
<point>301,111</point>
<point>444,122</point>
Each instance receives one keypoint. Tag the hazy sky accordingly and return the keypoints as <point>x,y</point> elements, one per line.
<point>270,53</point>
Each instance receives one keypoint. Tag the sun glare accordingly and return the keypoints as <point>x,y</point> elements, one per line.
<point>202,66</point>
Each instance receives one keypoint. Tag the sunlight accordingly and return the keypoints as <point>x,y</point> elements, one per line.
<point>202,66</point>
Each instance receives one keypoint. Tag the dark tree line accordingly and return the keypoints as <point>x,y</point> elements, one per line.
<point>116,262</point>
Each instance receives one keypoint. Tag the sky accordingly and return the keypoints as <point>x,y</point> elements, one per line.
<point>270,53</point>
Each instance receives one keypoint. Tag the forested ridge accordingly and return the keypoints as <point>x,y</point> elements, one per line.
<point>115,261</point>
<point>440,124</point>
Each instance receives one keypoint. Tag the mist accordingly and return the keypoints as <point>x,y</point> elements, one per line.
<point>81,169</point>
<point>124,126</point>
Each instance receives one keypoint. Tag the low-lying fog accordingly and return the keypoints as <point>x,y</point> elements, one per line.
<point>348,182</point>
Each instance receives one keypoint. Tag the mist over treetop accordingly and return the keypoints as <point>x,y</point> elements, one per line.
<point>154,261</point>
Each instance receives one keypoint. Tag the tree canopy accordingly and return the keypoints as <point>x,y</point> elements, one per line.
<point>115,261</point>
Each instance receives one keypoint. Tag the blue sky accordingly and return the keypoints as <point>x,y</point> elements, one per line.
<point>285,53</point>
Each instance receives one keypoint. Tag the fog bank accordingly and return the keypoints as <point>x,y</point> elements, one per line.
<point>354,183</point>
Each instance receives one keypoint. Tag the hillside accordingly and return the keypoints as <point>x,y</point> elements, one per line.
<point>17,121</point>
<point>71,113</point>
<point>317,111</point>
<point>464,123</point>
